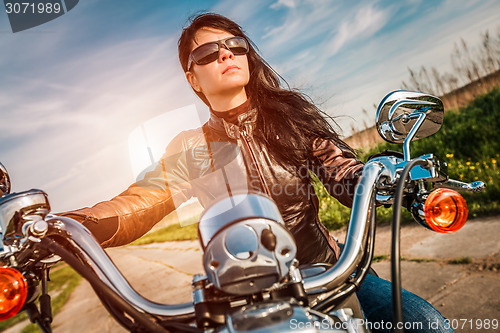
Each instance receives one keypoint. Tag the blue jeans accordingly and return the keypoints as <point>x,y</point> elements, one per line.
<point>375,296</point>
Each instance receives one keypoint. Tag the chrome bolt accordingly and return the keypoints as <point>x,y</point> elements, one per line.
<point>39,228</point>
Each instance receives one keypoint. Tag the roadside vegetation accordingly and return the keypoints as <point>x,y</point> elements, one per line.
<point>172,232</point>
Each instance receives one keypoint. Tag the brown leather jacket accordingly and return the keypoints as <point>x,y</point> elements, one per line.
<point>216,160</point>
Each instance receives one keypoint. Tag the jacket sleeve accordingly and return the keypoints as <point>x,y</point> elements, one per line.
<point>338,170</point>
<point>135,211</point>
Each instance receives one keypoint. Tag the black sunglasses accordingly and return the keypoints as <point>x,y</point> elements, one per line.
<point>206,53</point>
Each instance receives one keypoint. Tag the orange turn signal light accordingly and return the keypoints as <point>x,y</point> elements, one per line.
<point>13,292</point>
<point>445,210</point>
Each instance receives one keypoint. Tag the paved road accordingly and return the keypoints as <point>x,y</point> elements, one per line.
<point>464,292</point>
<point>467,294</point>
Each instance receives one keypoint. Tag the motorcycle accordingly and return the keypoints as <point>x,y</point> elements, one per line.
<point>252,280</point>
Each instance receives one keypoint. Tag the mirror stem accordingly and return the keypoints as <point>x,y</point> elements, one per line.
<point>413,132</point>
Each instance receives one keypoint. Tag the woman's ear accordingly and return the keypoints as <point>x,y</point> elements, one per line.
<point>193,81</point>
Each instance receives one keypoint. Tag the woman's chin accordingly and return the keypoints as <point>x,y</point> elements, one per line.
<point>235,84</point>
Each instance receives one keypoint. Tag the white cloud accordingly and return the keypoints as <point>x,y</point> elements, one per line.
<point>284,3</point>
<point>310,33</point>
<point>301,22</point>
<point>367,21</point>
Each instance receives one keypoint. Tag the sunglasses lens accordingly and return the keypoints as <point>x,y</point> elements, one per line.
<point>237,45</point>
<point>206,53</point>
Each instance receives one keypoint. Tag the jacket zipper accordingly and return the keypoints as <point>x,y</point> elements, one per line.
<point>248,140</point>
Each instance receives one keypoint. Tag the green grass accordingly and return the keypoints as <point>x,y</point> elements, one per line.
<point>384,257</point>
<point>419,259</point>
<point>380,258</point>
<point>460,261</point>
<point>335,216</point>
<point>173,232</point>
<point>31,328</point>
<point>63,280</point>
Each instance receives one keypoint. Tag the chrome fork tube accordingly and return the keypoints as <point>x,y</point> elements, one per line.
<point>104,267</point>
<point>356,236</point>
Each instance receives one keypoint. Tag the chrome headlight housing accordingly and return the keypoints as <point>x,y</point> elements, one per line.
<point>247,247</point>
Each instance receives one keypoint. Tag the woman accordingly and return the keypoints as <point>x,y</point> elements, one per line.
<point>272,137</point>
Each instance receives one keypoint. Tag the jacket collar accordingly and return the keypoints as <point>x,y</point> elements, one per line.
<point>246,121</point>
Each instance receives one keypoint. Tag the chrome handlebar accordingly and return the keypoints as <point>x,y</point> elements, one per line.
<point>358,230</point>
<point>103,266</point>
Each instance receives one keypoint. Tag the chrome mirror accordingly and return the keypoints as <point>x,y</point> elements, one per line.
<point>403,116</point>
<point>4,181</point>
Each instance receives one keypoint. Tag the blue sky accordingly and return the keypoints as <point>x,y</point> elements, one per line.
<point>74,89</point>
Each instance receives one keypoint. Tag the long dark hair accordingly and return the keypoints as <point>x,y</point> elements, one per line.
<point>287,121</point>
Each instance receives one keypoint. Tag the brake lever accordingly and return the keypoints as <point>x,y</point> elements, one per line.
<point>478,186</point>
